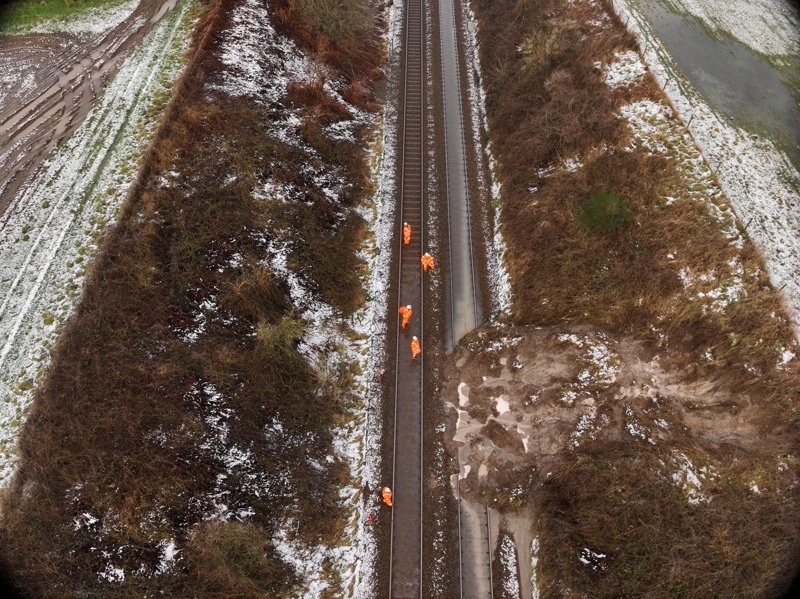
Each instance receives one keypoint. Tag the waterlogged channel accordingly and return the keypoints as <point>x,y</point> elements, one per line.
<point>755,85</point>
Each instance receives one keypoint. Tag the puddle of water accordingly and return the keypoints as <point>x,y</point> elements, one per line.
<point>733,79</point>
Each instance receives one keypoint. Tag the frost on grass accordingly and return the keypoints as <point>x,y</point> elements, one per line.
<point>49,240</point>
<point>758,180</point>
<point>770,27</point>
<point>690,479</point>
<point>625,69</point>
<point>593,559</point>
<point>258,62</point>
<point>654,129</point>
<point>634,427</point>
<point>601,363</point>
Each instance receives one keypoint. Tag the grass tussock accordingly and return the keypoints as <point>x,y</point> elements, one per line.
<point>343,32</point>
<point>178,428</point>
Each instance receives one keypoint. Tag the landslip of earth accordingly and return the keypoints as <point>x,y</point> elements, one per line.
<point>515,410</point>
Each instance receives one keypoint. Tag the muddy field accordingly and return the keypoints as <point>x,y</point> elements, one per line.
<point>50,83</point>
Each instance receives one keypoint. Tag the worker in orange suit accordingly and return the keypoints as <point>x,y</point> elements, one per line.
<point>406,312</point>
<point>427,261</point>
<point>406,233</point>
<point>415,348</point>
<point>387,496</point>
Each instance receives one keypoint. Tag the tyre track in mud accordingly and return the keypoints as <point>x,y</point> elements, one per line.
<point>67,89</point>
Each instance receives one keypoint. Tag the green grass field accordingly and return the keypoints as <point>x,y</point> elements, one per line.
<point>22,13</point>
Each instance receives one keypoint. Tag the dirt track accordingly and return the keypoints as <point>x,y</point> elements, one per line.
<point>52,100</point>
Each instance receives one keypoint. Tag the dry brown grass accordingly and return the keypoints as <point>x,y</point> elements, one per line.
<point>546,102</point>
<point>126,425</point>
<point>549,103</point>
<point>619,500</point>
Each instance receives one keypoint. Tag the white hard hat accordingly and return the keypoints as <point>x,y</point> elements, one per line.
<point>408,306</point>
<point>414,337</point>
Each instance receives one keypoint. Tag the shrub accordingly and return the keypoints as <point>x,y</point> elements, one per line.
<point>605,212</point>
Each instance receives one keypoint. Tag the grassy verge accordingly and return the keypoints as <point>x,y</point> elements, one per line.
<point>22,13</point>
<point>178,428</point>
<point>604,232</point>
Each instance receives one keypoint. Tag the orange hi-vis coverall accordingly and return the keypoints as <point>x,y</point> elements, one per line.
<point>406,233</point>
<point>427,261</point>
<point>406,311</point>
<point>415,348</point>
<point>387,495</point>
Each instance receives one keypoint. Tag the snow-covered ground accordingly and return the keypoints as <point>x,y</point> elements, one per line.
<point>49,241</point>
<point>89,20</point>
<point>757,179</point>
<point>770,27</point>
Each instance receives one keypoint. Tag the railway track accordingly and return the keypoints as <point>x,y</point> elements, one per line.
<point>406,550</point>
<point>405,574</point>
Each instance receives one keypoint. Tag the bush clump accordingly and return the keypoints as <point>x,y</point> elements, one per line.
<point>605,212</point>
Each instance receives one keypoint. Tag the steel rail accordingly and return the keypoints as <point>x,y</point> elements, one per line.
<point>412,73</point>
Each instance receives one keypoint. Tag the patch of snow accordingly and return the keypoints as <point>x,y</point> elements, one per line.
<point>593,559</point>
<point>634,428</point>
<point>510,568</point>
<point>602,361</point>
<point>769,27</point>
<point>112,574</point>
<point>169,555</point>
<point>690,479</point>
<point>259,62</point>
<point>626,68</point>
